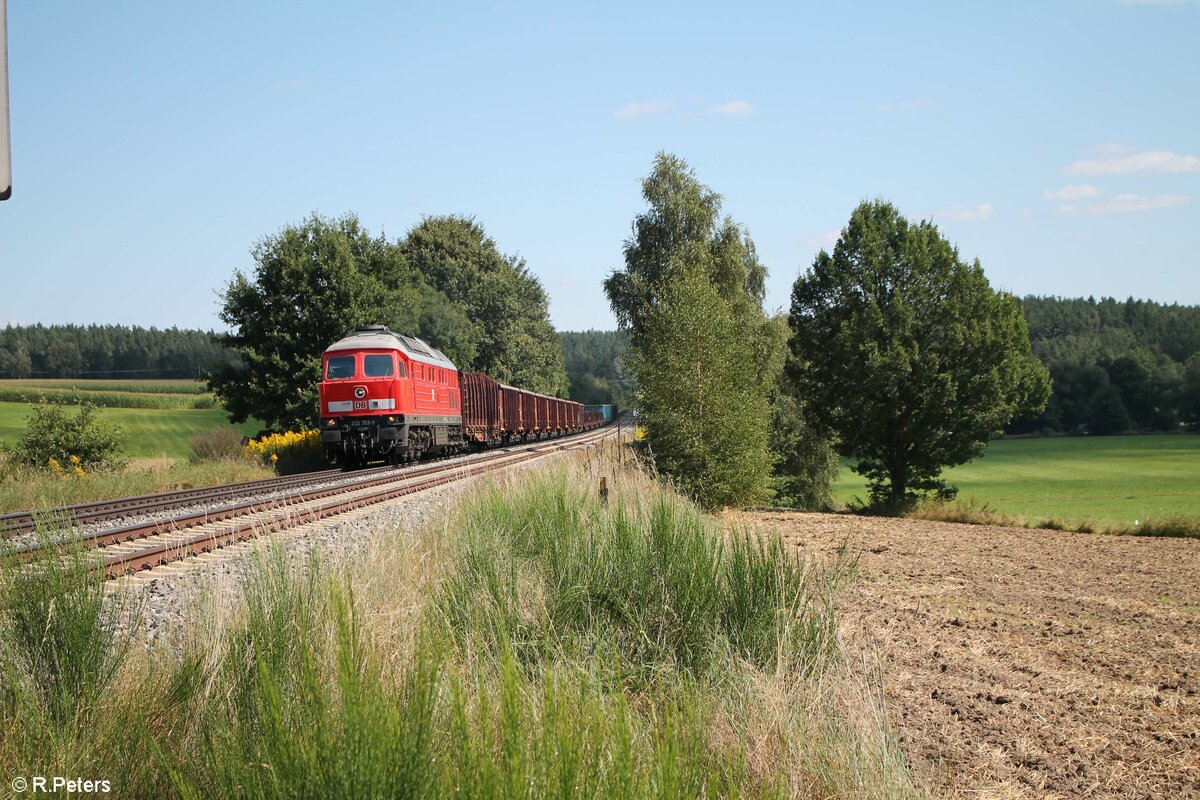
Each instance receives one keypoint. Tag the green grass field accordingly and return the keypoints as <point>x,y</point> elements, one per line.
<point>149,432</point>
<point>1110,480</point>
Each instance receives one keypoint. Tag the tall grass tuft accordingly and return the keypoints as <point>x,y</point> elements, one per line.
<point>548,568</point>
<point>566,734</point>
<point>305,705</point>
<point>62,648</point>
<point>58,651</point>
<point>222,442</point>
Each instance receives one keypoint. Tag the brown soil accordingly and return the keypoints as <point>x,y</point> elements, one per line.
<point>1026,663</point>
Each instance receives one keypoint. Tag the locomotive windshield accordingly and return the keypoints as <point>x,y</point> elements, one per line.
<point>378,366</point>
<point>340,367</point>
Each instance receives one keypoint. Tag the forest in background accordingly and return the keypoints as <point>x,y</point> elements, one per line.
<point>107,351</point>
<point>595,363</point>
<point>1117,365</point>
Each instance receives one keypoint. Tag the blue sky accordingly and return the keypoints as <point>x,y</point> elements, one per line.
<point>153,143</point>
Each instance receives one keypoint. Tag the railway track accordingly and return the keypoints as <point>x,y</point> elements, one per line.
<point>130,548</point>
<point>20,522</point>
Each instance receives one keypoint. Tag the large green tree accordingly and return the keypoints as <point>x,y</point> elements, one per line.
<point>690,297</point>
<point>907,353</point>
<point>311,284</point>
<point>314,282</point>
<point>708,424</point>
<point>683,228</point>
<point>505,306</point>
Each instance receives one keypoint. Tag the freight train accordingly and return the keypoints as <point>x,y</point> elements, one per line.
<point>388,396</point>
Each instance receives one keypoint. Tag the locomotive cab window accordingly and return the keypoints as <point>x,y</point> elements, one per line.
<point>340,367</point>
<point>377,366</point>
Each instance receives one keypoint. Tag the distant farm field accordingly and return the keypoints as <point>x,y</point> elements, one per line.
<point>166,394</point>
<point>149,432</point>
<point>134,385</point>
<point>1110,480</point>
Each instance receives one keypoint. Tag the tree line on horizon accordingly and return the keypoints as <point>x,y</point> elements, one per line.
<point>1116,366</point>
<point>107,352</point>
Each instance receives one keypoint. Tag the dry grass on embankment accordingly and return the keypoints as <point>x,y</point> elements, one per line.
<point>533,643</point>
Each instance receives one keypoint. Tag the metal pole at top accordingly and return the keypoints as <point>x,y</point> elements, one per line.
<point>5,147</point>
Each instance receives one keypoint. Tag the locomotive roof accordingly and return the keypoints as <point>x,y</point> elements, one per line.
<point>378,337</point>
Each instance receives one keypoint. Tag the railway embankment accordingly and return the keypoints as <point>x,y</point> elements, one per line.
<point>524,637</point>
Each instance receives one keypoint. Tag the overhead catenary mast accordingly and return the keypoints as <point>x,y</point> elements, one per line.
<point>5,149</point>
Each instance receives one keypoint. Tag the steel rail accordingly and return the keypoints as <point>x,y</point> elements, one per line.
<point>449,469</point>
<point>161,554</point>
<point>19,522</point>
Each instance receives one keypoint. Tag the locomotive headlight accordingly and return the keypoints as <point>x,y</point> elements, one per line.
<point>331,422</point>
<point>391,419</point>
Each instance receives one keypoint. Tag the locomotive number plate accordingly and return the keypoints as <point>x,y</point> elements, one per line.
<point>360,405</point>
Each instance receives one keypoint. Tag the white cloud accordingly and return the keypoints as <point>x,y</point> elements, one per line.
<point>1073,192</point>
<point>735,108</point>
<point>1026,213</point>
<point>823,240</point>
<point>1124,162</point>
<point>1129,203</point>
<point>982,211</point>
<point>1066,209</point>
<point>634,110</point>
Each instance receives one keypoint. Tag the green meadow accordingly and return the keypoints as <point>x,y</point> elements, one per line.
<point>1109,480</point>
<point>149,432</point>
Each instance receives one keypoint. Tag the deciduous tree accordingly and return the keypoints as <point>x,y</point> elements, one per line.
<point>907,353</point>
<point>504,305</point>
<point>311,284</point>
<point>708,425</point>
<point>707,359</point>
<point>682,226</point>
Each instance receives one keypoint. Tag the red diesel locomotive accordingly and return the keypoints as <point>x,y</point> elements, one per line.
<point>388,396</point>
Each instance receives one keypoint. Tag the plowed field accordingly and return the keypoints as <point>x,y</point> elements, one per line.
<point>1026,663</point>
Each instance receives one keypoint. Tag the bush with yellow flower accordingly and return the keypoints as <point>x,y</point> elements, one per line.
<point>289,452</point>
